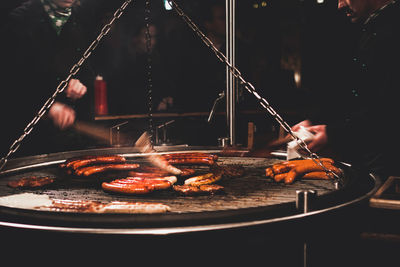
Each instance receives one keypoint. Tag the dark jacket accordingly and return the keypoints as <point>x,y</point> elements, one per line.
<point>37,60</point>
<point>361,112</point>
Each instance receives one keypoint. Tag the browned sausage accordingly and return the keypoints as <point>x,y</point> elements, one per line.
<point>95,160</point>
<point>200,161</point>
<point>281,168</point>
<point>208,178</point>
<point>190,190</point>
<point>286,166</point>
<point>191,158</point>
<point>280,177</point>
<point>317,175</point>
<point>269,172</point>
<point>322,175</point>
<point>307,167</point>
<point>68,162</point>
<point>153,172</point>
<point>31,182</point>
<point>190,155</point>
<point>137,186</point>
<point>90,170</point>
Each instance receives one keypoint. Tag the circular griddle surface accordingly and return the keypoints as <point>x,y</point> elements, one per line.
<point>251,197</point>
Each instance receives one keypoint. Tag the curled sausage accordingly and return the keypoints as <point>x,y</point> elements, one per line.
<point>208,178</point>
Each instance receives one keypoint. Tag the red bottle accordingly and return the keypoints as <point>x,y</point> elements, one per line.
<point>100,96</point>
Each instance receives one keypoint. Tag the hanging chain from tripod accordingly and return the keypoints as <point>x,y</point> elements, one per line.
<point>251,89</point>
<point>147,13</point>
<point>63,84</point>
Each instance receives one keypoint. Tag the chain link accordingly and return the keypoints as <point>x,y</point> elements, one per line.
<point>63,84</point>
<point>149,71</point>
<point>251,89</point>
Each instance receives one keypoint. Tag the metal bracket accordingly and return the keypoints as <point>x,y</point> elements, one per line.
<point>214,107</point>
<point>163,127</point>
<point>305,199</point>
<point>115,134</point>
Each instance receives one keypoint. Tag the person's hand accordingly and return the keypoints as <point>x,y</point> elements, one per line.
<point>320,137</point>
<point>75,89</point>
<point>62,115</point>
<point>305,124</point>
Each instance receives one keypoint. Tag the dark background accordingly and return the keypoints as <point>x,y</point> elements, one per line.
<point>277,40</point>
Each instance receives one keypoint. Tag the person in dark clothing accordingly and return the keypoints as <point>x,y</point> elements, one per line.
<point>356,120</point>
<point>129,87</point>
<point>42,40</point>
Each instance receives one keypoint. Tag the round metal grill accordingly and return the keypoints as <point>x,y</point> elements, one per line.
<point>249,198</point>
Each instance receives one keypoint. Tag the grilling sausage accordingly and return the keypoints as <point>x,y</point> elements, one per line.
<point>190,190</point>
<point>90,170</point>
<point>190,155</point>
<point>316,175</point>
<point>208,178</point>
<point>288,171</point>
<point>286,166</point>
<point>191,158</point>
<point>78,162</point>
<point>138,186</point>
<point>31,182</point>
<point>308,167</point>
<point>87,206</point>
<point>153,172</point>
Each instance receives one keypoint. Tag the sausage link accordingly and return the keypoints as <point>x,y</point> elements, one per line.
<point>280,177</point>
<point>137,186</point>
<point>96,160</point>
<point>208,178</point>
<point>307,167</point>
<point>281,168</point>
<point>87,171</point>
<point>269,172</point>
<point>190,155</point>
<point>316,175</point>
<point>205,161</point>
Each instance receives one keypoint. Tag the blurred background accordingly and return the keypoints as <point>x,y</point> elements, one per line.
<point>288,49</point>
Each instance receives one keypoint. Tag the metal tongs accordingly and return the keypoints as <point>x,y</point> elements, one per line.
<point>144,145</point>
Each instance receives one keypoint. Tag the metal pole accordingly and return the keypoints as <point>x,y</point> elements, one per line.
<point>231,85</point>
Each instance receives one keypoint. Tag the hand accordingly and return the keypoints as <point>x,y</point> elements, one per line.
<point>320,137</point>
<point>62,115</point>
<point>305,123</point>
<point>75,89</point>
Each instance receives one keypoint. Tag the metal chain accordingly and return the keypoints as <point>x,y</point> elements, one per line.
<point>149,71</point>
<point>251,89</point>
<point>63,84</point>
